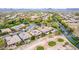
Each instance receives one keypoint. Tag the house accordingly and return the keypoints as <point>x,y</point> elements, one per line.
<point>25,36</point>
<point>7,30</point>
<point>45,17</point>
<point>45,29</point>
<point>34,17</point>
<point>31,27</point>
<point>36,33</point>
<point>12,40</point>
<point>19,27</point>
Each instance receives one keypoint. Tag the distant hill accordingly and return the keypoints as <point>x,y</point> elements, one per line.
<point>40,9</point>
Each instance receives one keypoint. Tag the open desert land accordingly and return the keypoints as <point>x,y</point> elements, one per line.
<point>44,43</point>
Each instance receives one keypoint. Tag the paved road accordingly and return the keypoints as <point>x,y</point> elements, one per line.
<point>68,34</point>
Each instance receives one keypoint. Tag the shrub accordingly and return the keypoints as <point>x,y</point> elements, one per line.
<point>40,48</point>
<point>51,43</point>
<point>33,38</point>
<point>60,40</point>
<point>66,43</point>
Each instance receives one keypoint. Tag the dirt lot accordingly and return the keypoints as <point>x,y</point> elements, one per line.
<point>75,26</point>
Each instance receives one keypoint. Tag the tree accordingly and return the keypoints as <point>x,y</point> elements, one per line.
<point>2,43</point>
<point>49,19</point>
<point>63,23</point>
<point>37,21</point>
<point>1,25</point>
<point>43,34</point>
<point>59,18</point>
<point>55,25</point>
<point>33,38</point>
<point>77,14</point>
<point>71,29</point>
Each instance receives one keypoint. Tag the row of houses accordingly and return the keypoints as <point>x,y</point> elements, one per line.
<point>26,36</point>
<point>70,18</point>
<point>14,28</point>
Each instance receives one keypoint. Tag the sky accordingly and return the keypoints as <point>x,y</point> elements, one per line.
<point>39,3</point>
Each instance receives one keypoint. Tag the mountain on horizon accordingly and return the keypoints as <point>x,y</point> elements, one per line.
<point>41,9</point>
